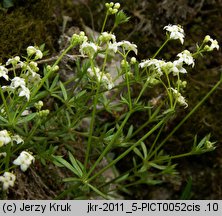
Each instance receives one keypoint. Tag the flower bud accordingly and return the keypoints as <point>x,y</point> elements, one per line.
<point>116,6</point>
<point>133,60</point>
<point>38,105</point>
<point>206,39</point>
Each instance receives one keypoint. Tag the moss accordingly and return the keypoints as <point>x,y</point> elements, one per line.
<point>27,24</point>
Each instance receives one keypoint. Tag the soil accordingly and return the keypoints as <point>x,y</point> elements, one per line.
<point>145,28</point>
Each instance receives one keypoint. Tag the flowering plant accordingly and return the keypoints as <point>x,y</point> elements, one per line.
<point>95,87</point>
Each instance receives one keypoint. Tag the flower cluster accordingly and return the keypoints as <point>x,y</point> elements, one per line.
<point>112,8</point>
<point>29,76</point>
<point>175,32</point>
<point>78,38</point>
<point>104,78</point>
<point>24,160</point>
<point>179,98</point>
<point>106,37</point>
<point>88,48</point>
<point>19,84</point>
<point>6,137</point>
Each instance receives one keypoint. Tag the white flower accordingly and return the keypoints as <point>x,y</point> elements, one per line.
<point>24,91</point>
<point>34,78</point>
<point>177,67</point>
<point>14,61</point>
<point>38,54</point>
<point>88,48</point>
<point>94,72</point>
<point>17,139</point>
<point>176,32</point>
<point>112,47</point>
<point>26,112</point>
<point>186,57</point>
<point>154,64</point>
<point>105,78</point>
<point>116,5</point>
<point>213,45</point>
<point>17,82</point>
<point>3,72</point>
<point>4,138</point>
<point>8,179</point>
<point>106,37</point>
<point>31,50</point>
<point>180,99</point>
<point>128,46</point>
<point>24,160</point>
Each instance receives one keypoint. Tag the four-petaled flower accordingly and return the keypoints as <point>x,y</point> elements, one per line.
<point>186,57</point>
<point>24,160</point>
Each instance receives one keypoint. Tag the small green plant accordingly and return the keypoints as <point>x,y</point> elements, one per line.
<point>29,130</point>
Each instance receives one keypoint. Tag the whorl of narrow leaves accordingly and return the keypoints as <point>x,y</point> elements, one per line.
<point>120,18</point>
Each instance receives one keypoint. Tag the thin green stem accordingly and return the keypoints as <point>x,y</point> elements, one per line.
<point>170,91</point>
<point>106,150</point>
<point>151,118</point>
<point>128,150</point>
<point>157,52</point>
<point>91,127</point>
<point>187,117</point>
<point>142,91</point>
<point>36,89</point>
<point>104,23</point>
<point>128,85</point>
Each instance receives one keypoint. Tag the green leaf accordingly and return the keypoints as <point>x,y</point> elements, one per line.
<point>122,178</point>
<point>63,162</point>
<point>58,97</point>
<point>137,151</point>
<point>121,17</point>
<point>130,131</point>
<point>64,93</point>
<point>75,164</point>
<point>80,94</point>
<point>144,150</point>
<point>70,179</point>
<point>3,119</point>
<point>159,167</point>
<point>54,83</point>
<point>186,195</point>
